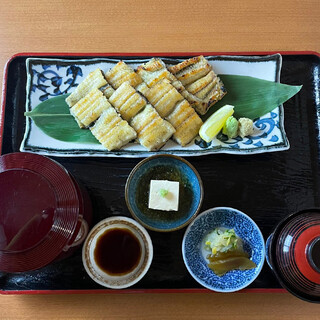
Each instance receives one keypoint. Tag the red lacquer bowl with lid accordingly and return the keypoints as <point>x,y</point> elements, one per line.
<point>293,253</point>
<point>43,212</point>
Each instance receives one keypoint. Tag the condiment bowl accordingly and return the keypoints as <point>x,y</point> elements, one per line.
<point>195,255</point>
<point>293,253</point>
<point>92,254</point>
<point>164,167</point>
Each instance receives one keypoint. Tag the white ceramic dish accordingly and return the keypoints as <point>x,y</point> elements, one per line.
<point>117,281</point>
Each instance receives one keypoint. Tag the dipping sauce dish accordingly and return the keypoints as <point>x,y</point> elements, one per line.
<point>117,252</point>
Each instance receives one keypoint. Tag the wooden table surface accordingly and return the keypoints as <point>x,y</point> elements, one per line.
<point>158,26</point>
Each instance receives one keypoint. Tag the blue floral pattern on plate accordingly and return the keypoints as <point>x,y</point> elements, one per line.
<point>52,83</point>
<point>194,253</point>
<point>47,78</point>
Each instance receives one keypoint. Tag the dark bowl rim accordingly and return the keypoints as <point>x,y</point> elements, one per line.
<point>162,155</point>
<point>271,255</point>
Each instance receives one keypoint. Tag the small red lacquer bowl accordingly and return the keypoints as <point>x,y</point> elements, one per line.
<point>293,253</point>
<point>42,210</point>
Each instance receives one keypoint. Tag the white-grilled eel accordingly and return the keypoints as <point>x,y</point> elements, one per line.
<point>153,131</point>
<point>154,71</point>
<point>121,73</point>
<point>164,97</point>
<point>172,106</point>
<point>94,80</point>
<point>89,108</point>
<point>112,131</point>
<point>108,90</point>
<point>127,101</point>
<point>186,122</point>
<point>204,87</point>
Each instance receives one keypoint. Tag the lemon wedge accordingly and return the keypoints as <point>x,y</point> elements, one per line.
<point>215,122</point>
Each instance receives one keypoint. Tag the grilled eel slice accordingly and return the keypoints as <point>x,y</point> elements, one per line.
<point>186,122</point>
<point>88,105</point>
<point>127,101</point>
<point>109,128</point>
<point>94,80</point>
<point>89,108</point>
<point>112,131</point>
<point>154,71</point>
<point>173,107</point>
<point>164,97</point>
<point>197,82</point>
<point>204,87</point>
<point>153,132</point>
<point>121,73</point>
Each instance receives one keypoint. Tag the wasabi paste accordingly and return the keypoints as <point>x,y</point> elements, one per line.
<point>230,128</point>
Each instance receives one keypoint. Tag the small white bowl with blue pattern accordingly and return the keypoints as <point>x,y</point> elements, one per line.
<point>194,253</point>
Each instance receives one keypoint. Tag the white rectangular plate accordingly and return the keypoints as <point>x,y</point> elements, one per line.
<point>47,78</point>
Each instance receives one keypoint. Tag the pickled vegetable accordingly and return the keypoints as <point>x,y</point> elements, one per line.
<point>221,240</point>
<point>226,252</point>
<point>222,266</point>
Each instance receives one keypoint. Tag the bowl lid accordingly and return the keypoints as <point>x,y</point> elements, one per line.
<point>39,208</point>
<point>296,254</point>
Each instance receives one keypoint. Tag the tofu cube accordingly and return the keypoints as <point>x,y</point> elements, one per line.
<point>164,195</point>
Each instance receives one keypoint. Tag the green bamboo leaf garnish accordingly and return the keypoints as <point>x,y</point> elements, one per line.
<point>53,117</point>
<point>253,97</point>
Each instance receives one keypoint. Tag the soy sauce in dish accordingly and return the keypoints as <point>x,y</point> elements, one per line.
<point>117,252</point>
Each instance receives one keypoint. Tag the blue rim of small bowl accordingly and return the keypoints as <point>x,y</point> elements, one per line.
<point>138,166</point>
<point>204,284</point>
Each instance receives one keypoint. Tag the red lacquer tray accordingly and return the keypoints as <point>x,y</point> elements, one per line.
<point>265,186</point>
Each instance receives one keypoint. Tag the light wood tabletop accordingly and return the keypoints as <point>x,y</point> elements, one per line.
<point>69,26</point>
